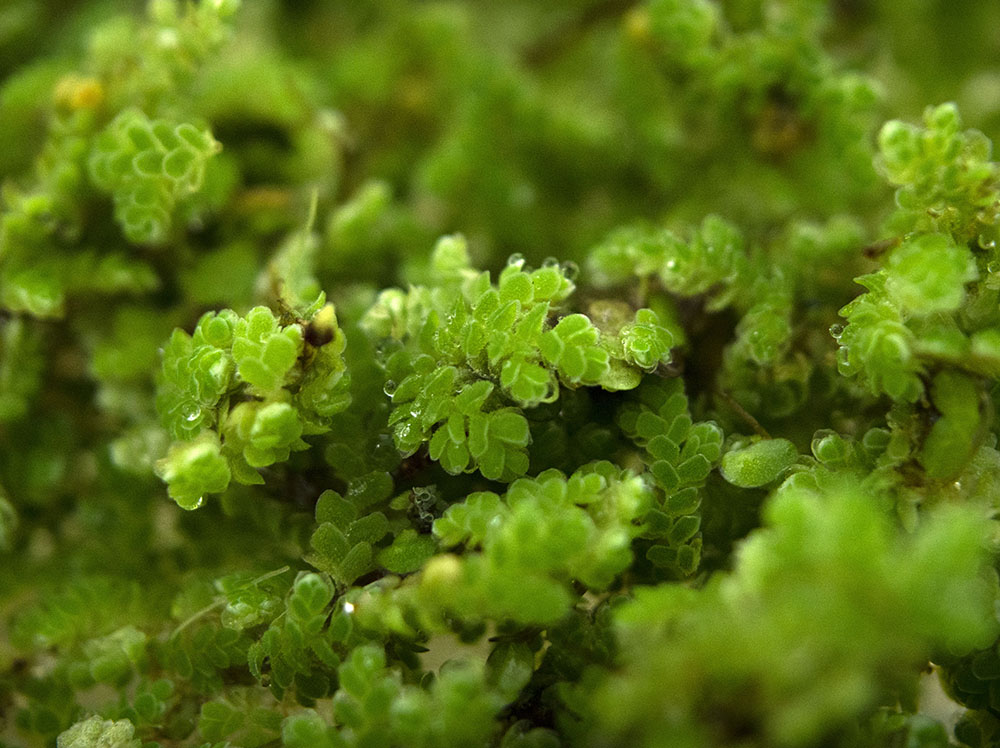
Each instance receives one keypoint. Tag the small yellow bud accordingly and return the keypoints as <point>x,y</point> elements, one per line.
<point>637,25</point>
<point>325,317</point>
<point>322,328</point>
<point>76,92</point>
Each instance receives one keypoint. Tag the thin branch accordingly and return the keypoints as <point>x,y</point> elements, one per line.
<point>743,413</point>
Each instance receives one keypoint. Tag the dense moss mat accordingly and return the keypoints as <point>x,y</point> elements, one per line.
<point>635,360</point>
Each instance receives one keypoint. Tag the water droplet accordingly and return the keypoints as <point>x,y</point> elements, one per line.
<point>348,608</point>
<point>671,264</point>
<point>384,448</point>
<point>993,267</point>
<point>844,365</point>
<point>198,503</point>
<point>191,413</point>
<point>516,259</point>
<point>550,262</point>
<point>570,269</point>
<point>390,387</point>
<point>837,330</point>
<point>985,242</point>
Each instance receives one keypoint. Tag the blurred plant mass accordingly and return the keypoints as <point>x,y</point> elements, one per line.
<point>462,373</point>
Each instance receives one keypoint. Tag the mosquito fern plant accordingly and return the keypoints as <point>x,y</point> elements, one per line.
<point>517,374</point>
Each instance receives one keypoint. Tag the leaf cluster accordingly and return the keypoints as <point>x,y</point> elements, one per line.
<point>724,475</point>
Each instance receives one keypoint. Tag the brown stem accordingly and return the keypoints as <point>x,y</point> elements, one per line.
<point>744,414</point>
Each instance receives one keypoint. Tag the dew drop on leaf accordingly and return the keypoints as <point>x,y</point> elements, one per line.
<point>570,269</point>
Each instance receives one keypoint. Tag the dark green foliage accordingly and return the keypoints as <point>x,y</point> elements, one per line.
<point>680,455</point>
<point>20,345</point>
<point>515,375</point>
<point>669,633</point>
<point>342,542</point>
